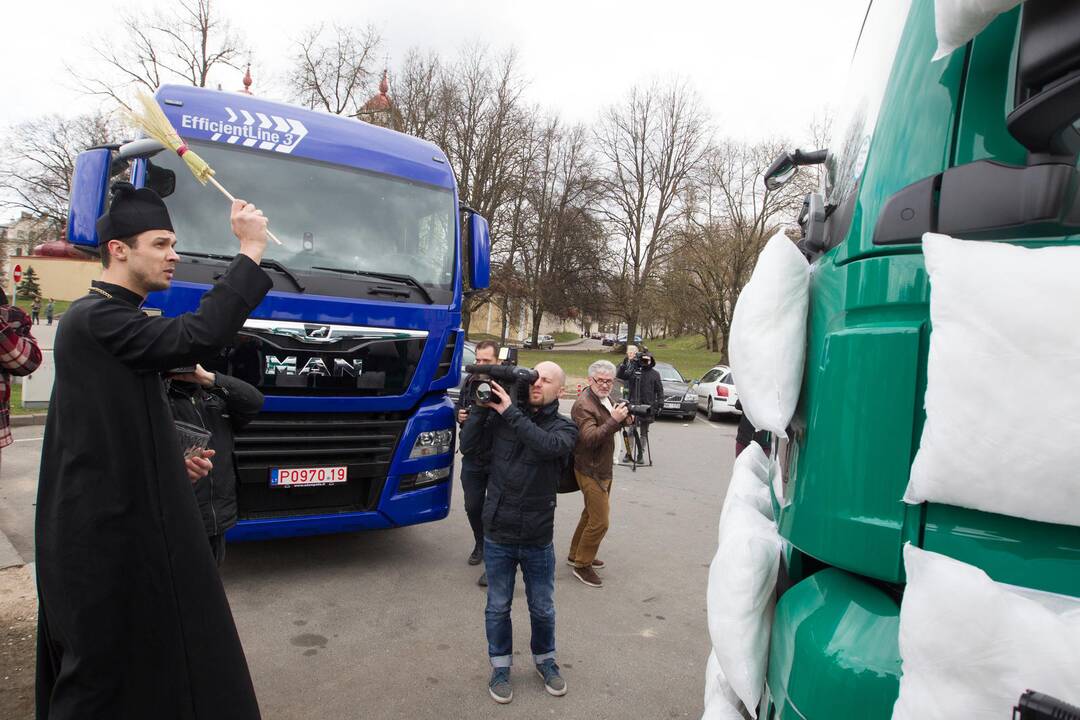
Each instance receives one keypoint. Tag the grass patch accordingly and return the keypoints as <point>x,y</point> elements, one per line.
<point>687,354</point>
<point>682,342</point>
<point>562,337</point>
<point>575,364</point>
<point>16,402</point>
<point>58,307</point>
<point>477,337</point>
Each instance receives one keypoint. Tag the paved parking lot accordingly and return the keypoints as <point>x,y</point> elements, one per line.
<point>389,624</point>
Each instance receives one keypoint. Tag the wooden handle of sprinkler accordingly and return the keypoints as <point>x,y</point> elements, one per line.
<point>229,195</point>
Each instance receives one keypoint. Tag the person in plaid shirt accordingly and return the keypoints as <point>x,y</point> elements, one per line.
<point>19,355</point>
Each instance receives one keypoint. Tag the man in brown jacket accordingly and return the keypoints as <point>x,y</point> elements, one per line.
<point>598,421</point>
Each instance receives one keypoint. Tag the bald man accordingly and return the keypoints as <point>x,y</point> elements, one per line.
<point>528,447</point>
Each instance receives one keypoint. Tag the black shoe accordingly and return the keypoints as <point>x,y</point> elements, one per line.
<point>477,556</point>
<point>482,582</point>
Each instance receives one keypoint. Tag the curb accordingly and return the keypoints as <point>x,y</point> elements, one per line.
<point>9,556</point>
<point>25,420</point>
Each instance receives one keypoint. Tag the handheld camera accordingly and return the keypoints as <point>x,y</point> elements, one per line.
<point>515,380</point>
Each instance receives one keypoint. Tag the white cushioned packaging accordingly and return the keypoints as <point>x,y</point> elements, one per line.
<point>970,646</point>
<point>958,21</point>
<point>742,581</point>
<point>1003,381</point>
<point>768,335</point>
<point>721,702</point>
<point>749,481</point>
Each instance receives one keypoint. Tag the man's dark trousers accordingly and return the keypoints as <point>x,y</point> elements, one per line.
<point>538,570</point>
<point>474,480</point>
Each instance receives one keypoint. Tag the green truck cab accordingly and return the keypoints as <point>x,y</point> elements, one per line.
<point>981,145</point>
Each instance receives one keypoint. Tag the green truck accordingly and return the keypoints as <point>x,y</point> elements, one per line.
<point>980,145</point>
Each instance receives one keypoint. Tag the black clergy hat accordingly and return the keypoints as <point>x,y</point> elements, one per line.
<point>132,211</point>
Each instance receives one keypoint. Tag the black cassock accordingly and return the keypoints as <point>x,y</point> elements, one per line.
<point>133,621</point>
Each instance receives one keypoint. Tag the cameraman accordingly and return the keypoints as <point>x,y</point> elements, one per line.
<point>598,421</point>
<point>528,447</point>
<point>644,387</point>
<point>474,466</point>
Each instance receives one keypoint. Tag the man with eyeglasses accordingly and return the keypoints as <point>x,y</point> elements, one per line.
<point>598,422</point>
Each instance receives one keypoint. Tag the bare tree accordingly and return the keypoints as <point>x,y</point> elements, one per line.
<point>558,249</point>
<point>734,215</point>
<point>651,145</point>
<point>335,73</point>
<point>40,162</point>
<point>473,110</point>
<point>423,97</point>
<point>184,44</point>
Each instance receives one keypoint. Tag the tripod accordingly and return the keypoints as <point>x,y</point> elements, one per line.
<point>636,444</point>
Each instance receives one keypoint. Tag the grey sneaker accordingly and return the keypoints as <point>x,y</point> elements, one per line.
<point>500,688</point>
<point>553,681</point>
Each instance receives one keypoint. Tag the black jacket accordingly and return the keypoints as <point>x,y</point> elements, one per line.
<point>480,456</point>
<point>528,453</point>
<point>132,619</point>
<point>227,406</point>
<point>648,389</point>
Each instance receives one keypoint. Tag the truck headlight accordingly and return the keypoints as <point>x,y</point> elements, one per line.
<point>689,396</point>
<point>422,479</point>
<point>432,442</point>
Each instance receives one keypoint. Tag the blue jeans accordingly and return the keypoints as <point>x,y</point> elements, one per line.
<point>538,569</point>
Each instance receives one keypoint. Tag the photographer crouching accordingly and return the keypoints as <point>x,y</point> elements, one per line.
<point>598,421</point>
<point>528,442</point>
<point>644,387</point>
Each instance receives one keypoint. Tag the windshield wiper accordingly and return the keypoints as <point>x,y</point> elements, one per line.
<point>211,256</point>
<point>266,263</point>
<point>393,277</point>
<point>275,265</point>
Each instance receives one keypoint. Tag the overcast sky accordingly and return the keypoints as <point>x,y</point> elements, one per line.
<point>764,68</point>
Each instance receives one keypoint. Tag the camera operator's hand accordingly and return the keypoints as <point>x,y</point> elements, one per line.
<point>462,415</point>
<point>199,466</point>
<point>621,412</point>
<point>504,398</point>
<point>199,377</point>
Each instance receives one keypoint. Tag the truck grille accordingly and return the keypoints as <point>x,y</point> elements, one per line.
<point>363,443</point>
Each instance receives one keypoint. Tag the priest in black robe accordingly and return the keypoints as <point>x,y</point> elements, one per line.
<point>133,620</point>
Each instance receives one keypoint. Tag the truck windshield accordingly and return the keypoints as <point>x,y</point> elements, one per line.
<point>325,215</point>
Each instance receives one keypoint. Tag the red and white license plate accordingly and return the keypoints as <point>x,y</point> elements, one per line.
<point>291,477</point>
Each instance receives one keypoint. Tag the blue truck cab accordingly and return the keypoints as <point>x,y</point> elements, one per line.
<point>359,339</point>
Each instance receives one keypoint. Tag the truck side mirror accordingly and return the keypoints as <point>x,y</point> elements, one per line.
<point>812,222</point>
<point>89,191</point>
<point>786,165</point>
<point>1047,94</point>
<point>782,169</point>
<point>479,252</point>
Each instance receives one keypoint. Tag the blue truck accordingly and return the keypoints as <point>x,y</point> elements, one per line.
<point>359,339</point>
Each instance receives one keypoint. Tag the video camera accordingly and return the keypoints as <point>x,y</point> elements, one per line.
<point>638,410</point>
<point>515,380</point>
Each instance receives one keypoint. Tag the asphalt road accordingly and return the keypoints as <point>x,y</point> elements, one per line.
<point>389,624</point>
